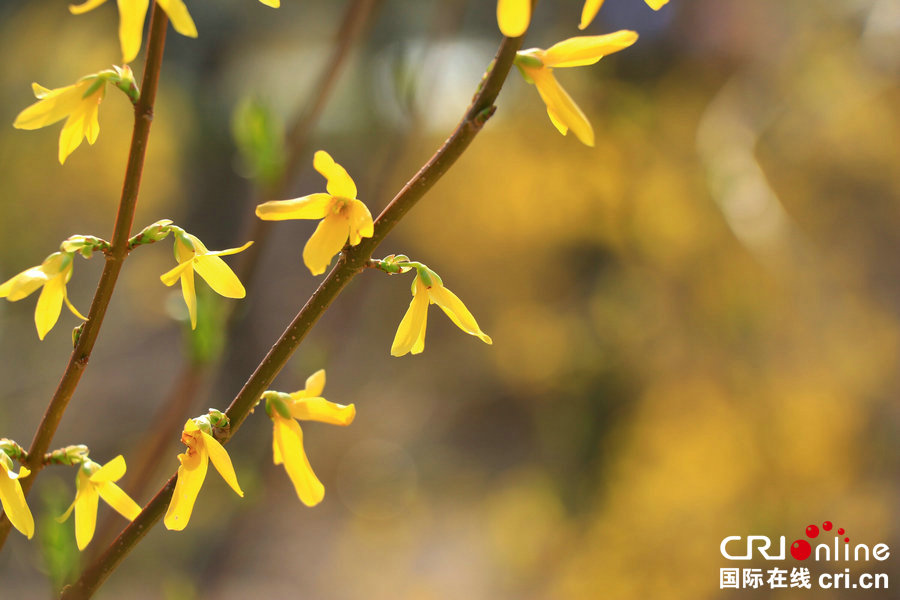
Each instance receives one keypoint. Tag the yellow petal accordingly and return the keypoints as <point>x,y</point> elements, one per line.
<point>131,26</point>
<point>562,105</point>
<point>85,515</point>
<point>314,206</point>
<point>221,461</point>
<point>289,439</point>
<point>339,182</point>
<point>71,135</point>
<point>91,123</point>
<point>39,90</point>
<point>361,225</point>
<point>180,17</point>
<point>513,16</point>
<point>315,383</point>
<point>23,284</point>
<point>119,500</point>
<point>65,516</point>
<point>227,251</point>
<point>13,501</point>
<point>326,241</point>
<point>457,311</point>
<point>111,471</point>
<point>191,474</point>
<point>587,49</point>
<point>560,126</point>
<point>590,10</point>
<point>49,305</point>
<point>78,9</point>
<point>190,295</point>
<point>272,3</point>
<point>656,4</point>
<point>320,409</point>
<point>170,277</point>
<point>53,106</point>
<point>410,336</point>
<point>72,306</point>
<point>219,276</point>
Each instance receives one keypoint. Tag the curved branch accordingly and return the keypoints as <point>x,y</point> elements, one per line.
<point>352,261</point>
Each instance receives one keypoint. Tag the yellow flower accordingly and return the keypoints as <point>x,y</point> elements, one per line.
<point>201,448</point>
<point>12,498</point>
<point>592,7</point>
<point>53,274</point>
<point>287,437</point>
<point>427,288</point>
<point>192,256</point>
<point>78,103</point>
<point>92,482</point>
<point>513,16</point>
<point>537,67</point>
<point>343,216</point>
<point>131,20</point>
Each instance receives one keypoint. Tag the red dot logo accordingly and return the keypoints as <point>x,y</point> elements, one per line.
<point>827,525</point>
<point>801,549</point>
<point>812,531</point>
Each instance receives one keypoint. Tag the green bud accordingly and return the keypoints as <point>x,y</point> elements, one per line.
<point>153,233</point>
<point>76,334</point>
<point>70,455</point>
<point>12,449</point>
<point>124,80</point>
<point>218,419</point>
<point>77,453</point>
<point>203,423</point>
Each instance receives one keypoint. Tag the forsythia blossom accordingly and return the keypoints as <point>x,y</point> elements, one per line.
<point>192,256</point>
<point>93,482</point>
<point>537,65</point>
<point>513,16</point>
<point>52,274</point>
<point>131,20</point>
<point>427,288</point>
<point>287,437</point>
<point>78,103</point>
<point>592,7</point>
<point>12,498</point>
<point>201,448</point>
<point>344,218</point>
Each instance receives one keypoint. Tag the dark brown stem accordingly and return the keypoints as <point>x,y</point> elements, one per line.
<point>352,261</point>
<point>143,116</point>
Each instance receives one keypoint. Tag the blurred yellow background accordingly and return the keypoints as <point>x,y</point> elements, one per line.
<point>695,323</point>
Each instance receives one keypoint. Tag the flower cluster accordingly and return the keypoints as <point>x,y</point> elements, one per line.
<point>94,481</point>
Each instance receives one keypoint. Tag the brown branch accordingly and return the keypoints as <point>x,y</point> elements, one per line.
<point>352,261</point>
<point>143,116</point>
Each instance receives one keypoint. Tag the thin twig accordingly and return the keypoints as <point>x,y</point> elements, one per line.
<point>352,261</point>
<point>143,116</point>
